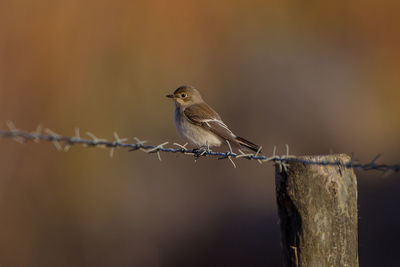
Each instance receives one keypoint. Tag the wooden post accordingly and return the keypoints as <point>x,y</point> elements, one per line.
<point>317,206</point>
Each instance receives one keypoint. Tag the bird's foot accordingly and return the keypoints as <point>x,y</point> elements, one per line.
<point>200,151</point>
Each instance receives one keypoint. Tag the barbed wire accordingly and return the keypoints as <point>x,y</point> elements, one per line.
<point>46,134</point>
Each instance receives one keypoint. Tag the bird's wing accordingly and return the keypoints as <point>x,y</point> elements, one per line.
<point>204,116</point>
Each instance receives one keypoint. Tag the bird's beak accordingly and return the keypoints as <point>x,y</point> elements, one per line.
<point>170,96</point>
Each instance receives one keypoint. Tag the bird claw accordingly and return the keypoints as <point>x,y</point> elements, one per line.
<point>200,151</point>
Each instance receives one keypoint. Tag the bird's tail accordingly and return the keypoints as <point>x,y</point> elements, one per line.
<point>248,144</point>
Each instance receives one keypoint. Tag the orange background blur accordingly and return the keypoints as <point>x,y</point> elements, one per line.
<point>319,76</point>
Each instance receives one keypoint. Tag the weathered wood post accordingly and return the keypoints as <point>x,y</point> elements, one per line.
<point>317,206</point>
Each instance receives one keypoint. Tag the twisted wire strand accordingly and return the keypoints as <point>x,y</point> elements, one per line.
<point>283,160</point>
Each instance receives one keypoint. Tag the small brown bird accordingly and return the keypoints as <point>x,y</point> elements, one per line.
<point>198,124</point>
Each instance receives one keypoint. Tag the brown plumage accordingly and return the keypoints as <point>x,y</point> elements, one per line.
<point>199,124</point>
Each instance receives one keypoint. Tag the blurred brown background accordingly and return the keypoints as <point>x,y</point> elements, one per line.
<point>320,76</point>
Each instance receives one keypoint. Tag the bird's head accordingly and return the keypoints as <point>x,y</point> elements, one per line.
<point>186,95</point>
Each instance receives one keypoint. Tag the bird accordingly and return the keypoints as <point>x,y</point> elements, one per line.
<point>200,125</point>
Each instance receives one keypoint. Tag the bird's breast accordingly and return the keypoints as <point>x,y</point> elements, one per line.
<point>194,134</point>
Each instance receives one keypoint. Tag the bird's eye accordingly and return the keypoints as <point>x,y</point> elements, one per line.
<point>183,95</point>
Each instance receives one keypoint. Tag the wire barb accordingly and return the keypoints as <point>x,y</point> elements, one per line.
<point>230,153</point>
<point>181,146</point>
<point>55,139</point>
<point>13,129</point>
<point>37,132</point>
<point>118,141</point>
<point>97,141</point>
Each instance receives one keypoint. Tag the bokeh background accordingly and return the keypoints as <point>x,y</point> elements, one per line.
<point>320,76</point>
